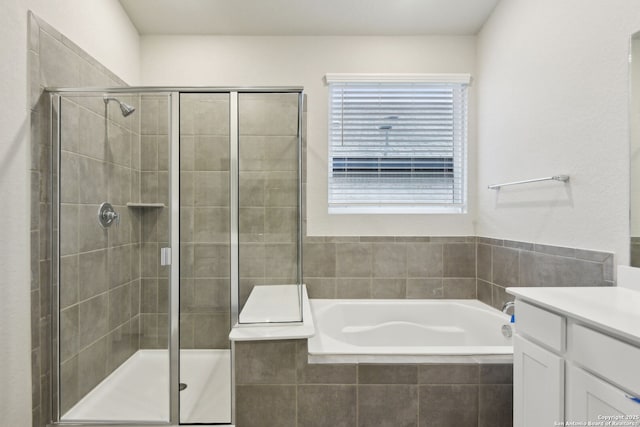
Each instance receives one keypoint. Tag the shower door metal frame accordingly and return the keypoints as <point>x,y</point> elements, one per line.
<point>173,94</point>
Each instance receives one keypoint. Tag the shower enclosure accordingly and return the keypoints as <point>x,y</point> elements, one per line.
<point>171,205</point>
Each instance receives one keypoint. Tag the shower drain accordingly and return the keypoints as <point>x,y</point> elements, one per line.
<point>183,386</point>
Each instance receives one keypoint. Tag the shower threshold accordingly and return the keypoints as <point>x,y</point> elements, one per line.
<point>139,390</point>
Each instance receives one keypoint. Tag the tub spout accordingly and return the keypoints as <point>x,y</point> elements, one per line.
<point>508,305</point>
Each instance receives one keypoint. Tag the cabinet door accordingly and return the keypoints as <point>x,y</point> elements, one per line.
<point>538,385</point>
<point>592,399</point>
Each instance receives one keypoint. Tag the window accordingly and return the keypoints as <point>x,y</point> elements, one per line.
<point>397,144</point>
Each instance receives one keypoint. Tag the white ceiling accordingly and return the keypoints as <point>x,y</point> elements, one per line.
<point>309,17</point>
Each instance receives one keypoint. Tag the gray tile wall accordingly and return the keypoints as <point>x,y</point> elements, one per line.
<point>504,263</point>
<point>99,268</point>
<point>90,347</point>
<point>204,221</point>
<point>390,267</point>
<point>276,386</point>
<point>444,267</point>
<point>154,188</point>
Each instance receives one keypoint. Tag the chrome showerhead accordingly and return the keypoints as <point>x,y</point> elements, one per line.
<point>125,108</point>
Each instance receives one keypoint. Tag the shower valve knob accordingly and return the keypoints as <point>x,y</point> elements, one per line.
<point>107,215</point>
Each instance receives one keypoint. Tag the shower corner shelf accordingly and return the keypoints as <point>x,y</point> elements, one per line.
<point>145,205</point>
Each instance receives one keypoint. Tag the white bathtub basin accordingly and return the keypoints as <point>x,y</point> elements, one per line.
<point>369,329</point>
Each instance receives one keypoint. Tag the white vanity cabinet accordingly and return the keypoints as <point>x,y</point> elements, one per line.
<point>538,367</point>
<point>593,400</point>
<point>570,370</point>
<point>538,385</point>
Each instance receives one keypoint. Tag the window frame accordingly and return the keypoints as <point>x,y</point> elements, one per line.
<point>463,80</point>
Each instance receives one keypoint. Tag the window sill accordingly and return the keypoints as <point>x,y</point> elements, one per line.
<point>397,210</point>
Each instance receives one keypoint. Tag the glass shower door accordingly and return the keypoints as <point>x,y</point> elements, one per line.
<point>112,196</point>
<point>205,271</point>
<point>269,202</point>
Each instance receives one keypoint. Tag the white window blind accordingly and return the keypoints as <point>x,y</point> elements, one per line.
<point>397,147</point>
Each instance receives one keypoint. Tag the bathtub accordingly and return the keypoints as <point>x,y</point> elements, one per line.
<point>408,331</point>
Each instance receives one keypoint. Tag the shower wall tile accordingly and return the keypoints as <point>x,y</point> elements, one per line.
<point>91,236</point>
<point>118,145</point>
<point>92,366</point>
<point>119,306</point>
<point>268,114</point>
<point>211,330</point>
<point>69,384</point>
<point>211,153</point>
<point>204,114</point>
<point>94,319</point>
<point>150,332</point>
<point>69,184</point>
<point>98,164</point>
<point>69,276</point>
<point>69,334</point>
<point>153,224</point>
<point>59,66</point>
<point>93,274</point>
<point>204,228</point>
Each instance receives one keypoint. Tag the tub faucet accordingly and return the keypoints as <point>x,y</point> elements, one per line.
<point>508,305</point>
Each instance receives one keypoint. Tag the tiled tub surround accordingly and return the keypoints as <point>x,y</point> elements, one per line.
<point>505,263</point>
<point>390,267</point>
<point>444,267</point>
<point>276,386</point>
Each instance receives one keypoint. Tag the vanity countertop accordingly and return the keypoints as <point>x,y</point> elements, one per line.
<point>612,309</point>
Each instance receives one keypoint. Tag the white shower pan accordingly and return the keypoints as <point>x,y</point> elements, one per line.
<point>139,390</point>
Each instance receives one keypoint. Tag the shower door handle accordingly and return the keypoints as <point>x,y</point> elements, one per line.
<point>165,256</point>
